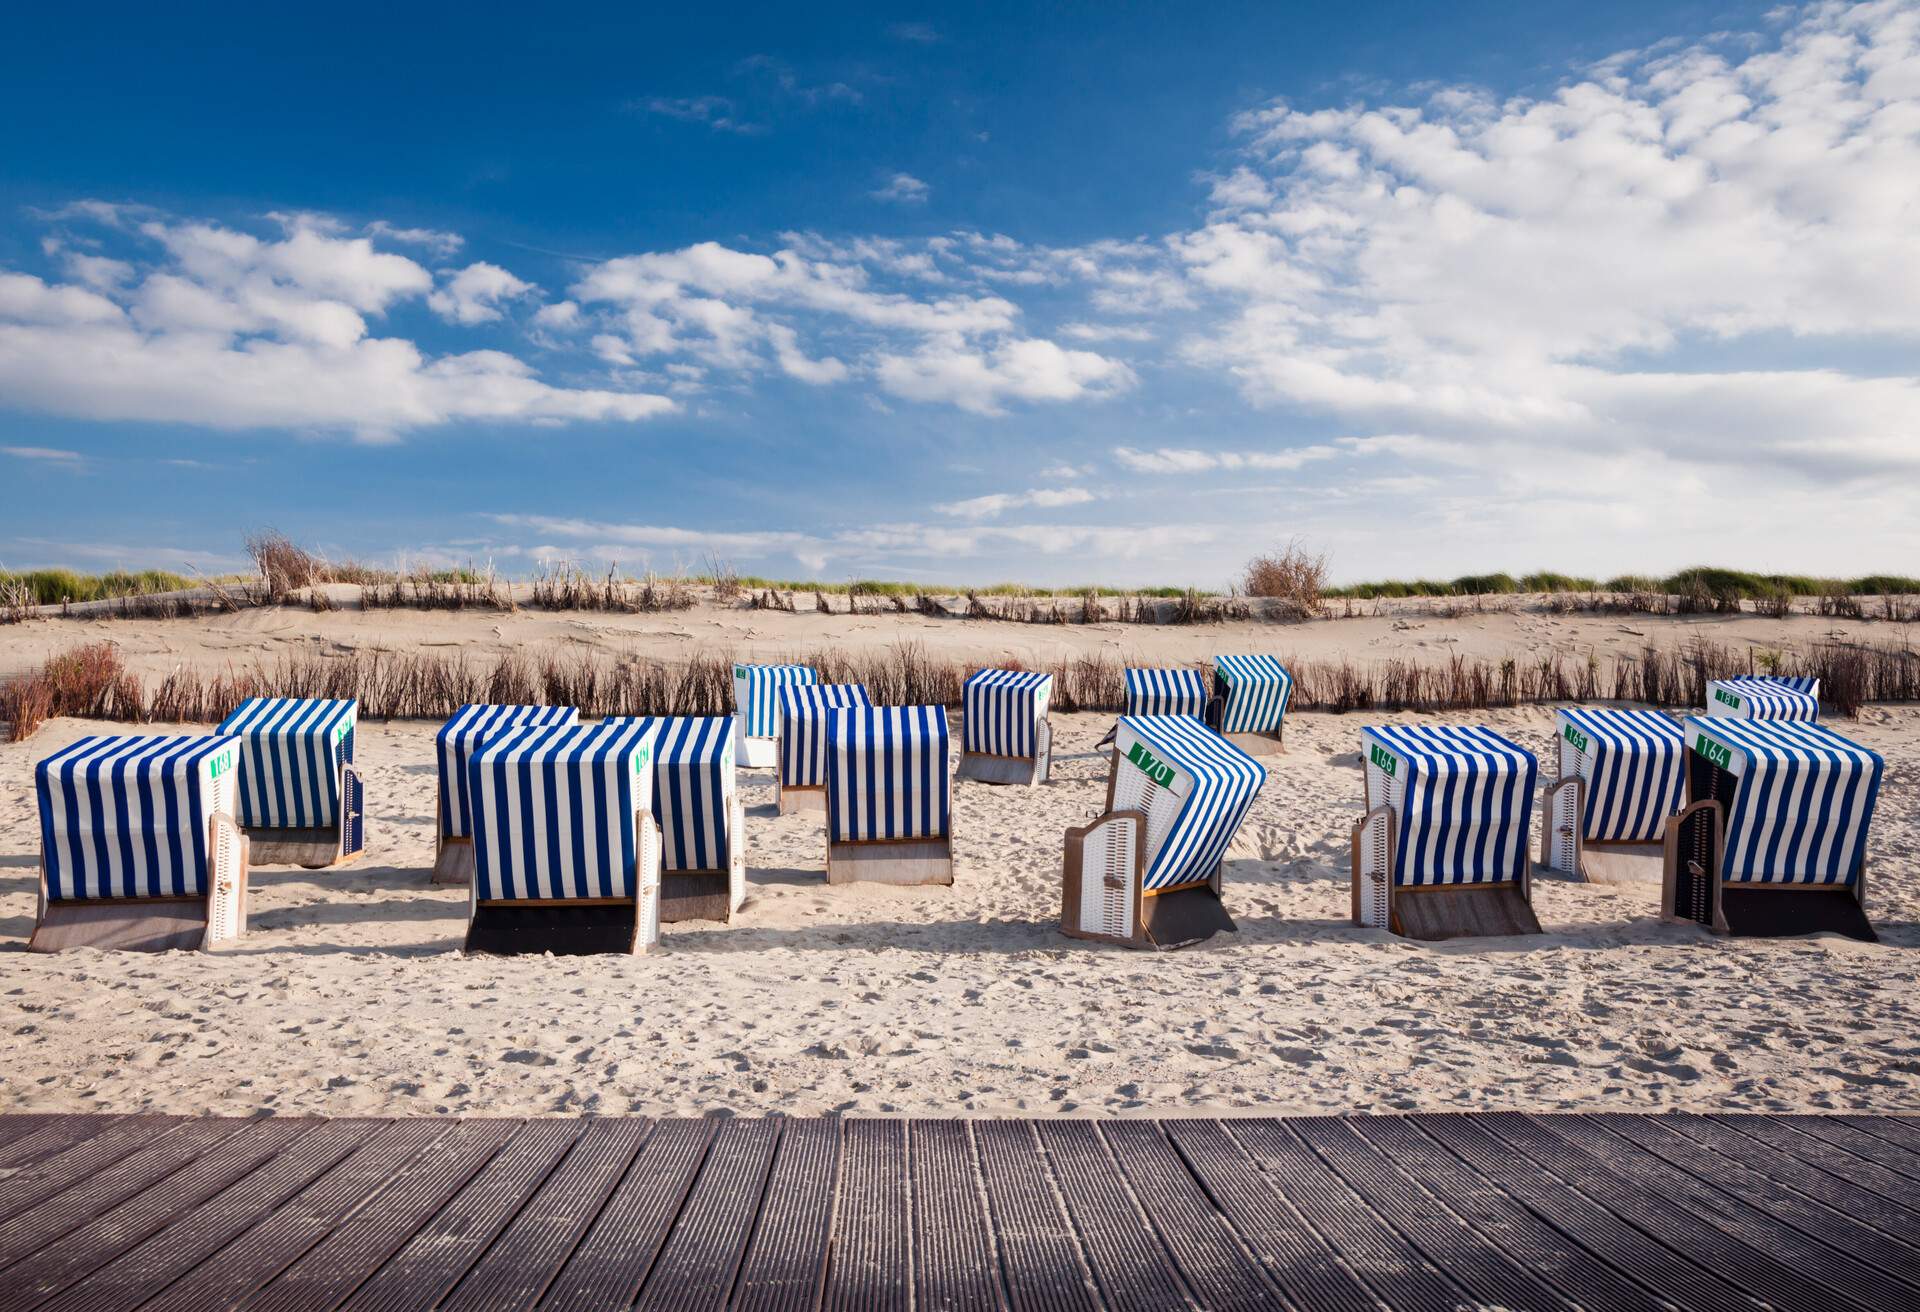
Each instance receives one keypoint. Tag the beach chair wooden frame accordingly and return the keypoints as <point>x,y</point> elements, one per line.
<point>1694,887</point>
<point>574,926</point>
<point>201,922</point>
<point>321,847</point>
<point>1426,912</point>
<point>989,768</point>
<point>1103,892</point>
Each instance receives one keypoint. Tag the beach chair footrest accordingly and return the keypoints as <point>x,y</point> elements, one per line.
<point>564,929</point>
<point>1189,915</point>
<point>1783,912</point>
<point>1463,911</point>
<point>123,924</point>
<point>696,895</point>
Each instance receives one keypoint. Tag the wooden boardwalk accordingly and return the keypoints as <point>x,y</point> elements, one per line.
<point>1435,1213</point>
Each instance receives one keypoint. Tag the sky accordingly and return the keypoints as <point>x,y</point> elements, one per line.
<point>1062,294</point>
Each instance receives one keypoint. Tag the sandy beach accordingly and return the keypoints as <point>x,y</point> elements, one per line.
<point>349,995</point>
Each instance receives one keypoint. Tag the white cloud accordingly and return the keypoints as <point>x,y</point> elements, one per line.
<point>218,327</point>
<point>561,316</point>
<point>920,34</point>
<point>716,112</point>
<point>48,454</point>
<point>986,507</point>
<point>440,243</point>
<point>1569,273</point>
<point>983,381</point>
<point>1107,332</point>
<point>903,189</point>
<point>1185,460</point>
<point>474,294</point>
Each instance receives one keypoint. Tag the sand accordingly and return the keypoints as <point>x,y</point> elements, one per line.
<point>349,995</point>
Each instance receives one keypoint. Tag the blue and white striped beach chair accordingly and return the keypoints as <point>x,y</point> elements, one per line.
<point>756,711</point>
<point>889,795</point>
<point>801,781</point>
<point>1147,872</point>
<point>301,799</point>
<point>1622,774</point>
<point>1764,697</point>
<point>1442,850</point>
<point>1774,836</point>
<point>139,848</point>
<point>1181,691</point>
<point>1251,694</point>
<point>454,746</point>
<point>696,803</point>
<point>1005,736</point>
<point>566,849</point>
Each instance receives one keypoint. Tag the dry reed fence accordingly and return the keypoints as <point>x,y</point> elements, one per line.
<point>91,681</point>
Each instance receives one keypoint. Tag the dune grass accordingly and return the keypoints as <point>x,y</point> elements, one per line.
<point>92,681</point>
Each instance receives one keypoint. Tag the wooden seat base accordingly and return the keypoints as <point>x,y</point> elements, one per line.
<point>1762,912</point>
<point>1622,864</point>
<point>915,861</point>
<point>982,768</point>
<point>311,849</point>
<point>566,929</point>
<point>453,863</point>
<point>695,895</point>
<point>1462,911</point>
<point>162,924</point>
<point>792,799</point>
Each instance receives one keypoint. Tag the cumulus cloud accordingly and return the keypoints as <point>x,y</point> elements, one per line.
<point>716,112</point>
<point>1572,271</point>
<point>995,503</point>
<point>902,189</point>
<point>220,327</point>
<point>46,454</point>
<point>984,380</point>
<point>474,294</point>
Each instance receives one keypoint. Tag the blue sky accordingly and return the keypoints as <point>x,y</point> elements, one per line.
<point>1115,293</point>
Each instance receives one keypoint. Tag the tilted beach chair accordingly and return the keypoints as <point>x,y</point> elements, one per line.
<point>301,799</point>
<point>1764,697</point>
<point>1622,774</point>
<point>1005,737</point>
<point>454,745</point>
<point>1250,700</point>
<point>703,829</point>
<point>756,710</point>
<point>566,852</point>
<point>1177,691</point>
<point>889,795</point>
<point>1147,872</point>
<point>139,846</point>
<point>1442,850</point>
<point>801,783</point>
<point>1773,840</point>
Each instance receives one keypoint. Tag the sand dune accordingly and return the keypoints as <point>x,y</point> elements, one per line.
<point>349,996</point>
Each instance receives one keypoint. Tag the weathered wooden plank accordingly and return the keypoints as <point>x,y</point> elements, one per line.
<point>277,1242</point>
<point>1204,1248</point>
<point>71,1149</point>
<point>1740,1251</point>
<point>130,1279</point>
<point>1899,1190</point>
<point>1132,1269</point>
<point>112,1232</point>
<point>518,1268</point>
<point>336,1266</point>
<point>1829,1209</point>
<point>1039,1255</point>
<point>953,1257</point>
<point>607,1268</point>
<point>1301,1264</point>
<point>872,1266</point>
<point>1467,1258</point>
<point>1583,1272</point>
<point>1615,1235</point>
<point>1901,1130</point>
<point>1393,1268</point>
<point>786,1264</point>
<point>1845,1132</point>
<point>67,1210</point>
<point>442,1251</point>
<point>696,1268</point>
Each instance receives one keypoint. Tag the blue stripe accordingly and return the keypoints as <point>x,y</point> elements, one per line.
<point>1165,692</point>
